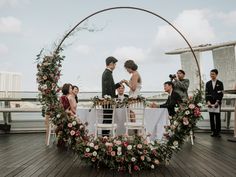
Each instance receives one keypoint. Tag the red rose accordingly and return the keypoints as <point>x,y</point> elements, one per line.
<point>136,168</point>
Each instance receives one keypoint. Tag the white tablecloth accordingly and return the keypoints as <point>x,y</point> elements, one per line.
<point>155,120</point>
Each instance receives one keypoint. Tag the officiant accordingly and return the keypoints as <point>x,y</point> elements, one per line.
<point>214,94</point>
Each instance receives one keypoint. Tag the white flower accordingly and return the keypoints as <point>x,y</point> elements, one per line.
<point>133,159</point>
<point>58,115</point>
<point>95,153</point>
<point>119,149</point>
<point>176,109</point>
<point>74,123</point>
<point>148,159</point>
<point>200,104</point>
<point>119,153</point>
<point>96,147</point>
<point>152,142</point>
<point>81,126</point>
<point>152,166</point>
<point>107,96</point>
<point>129,147</point>
<point>176,123</point>
<point>175,143</point>
<point>87,150</point>
<point>91,145</point>
<point>44,87</point>
<point>187,112</point>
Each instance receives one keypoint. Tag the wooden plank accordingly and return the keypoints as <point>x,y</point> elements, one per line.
<point>26,155</point>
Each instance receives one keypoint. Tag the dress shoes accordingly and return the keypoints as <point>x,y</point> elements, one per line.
<point>213,135</point>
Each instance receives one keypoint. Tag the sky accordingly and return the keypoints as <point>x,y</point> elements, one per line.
<point>27,26</point>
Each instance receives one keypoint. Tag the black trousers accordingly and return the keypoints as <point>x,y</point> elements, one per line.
<point>107,118</point>
<point>215,122</point>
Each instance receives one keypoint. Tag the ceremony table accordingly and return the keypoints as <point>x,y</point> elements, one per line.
<point>155,120</point>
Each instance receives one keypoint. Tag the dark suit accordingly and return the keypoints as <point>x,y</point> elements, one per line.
<point>213,96</point>
<point>108,85</point>
<point>108,88</point>
<point>173,100</point>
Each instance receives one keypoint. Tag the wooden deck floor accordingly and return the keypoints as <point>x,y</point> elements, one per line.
<point>26,155</point>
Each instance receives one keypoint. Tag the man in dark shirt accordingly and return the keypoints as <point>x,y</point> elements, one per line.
<point>108,88</point>
<point>108,85</point>
<point>172,101</point>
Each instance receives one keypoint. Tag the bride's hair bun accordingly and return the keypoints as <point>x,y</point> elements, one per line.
<point>131,65</point>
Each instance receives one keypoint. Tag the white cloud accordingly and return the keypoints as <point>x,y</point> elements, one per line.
<point>130,52</point>
<point>13,3</point>
<point>3,49</point>
<point>10,25</point>
<point>228,18</point>
<point>82,49</point>
<point>193,24</point>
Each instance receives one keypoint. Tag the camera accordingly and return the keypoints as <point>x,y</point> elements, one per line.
<point>172,76</point>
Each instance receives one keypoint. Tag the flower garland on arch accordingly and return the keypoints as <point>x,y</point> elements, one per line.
<point>120,153</point>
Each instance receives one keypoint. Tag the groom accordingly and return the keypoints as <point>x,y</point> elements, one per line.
<point>108,85</point>
<point>108,88</point>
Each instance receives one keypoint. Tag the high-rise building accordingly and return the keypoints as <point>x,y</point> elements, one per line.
<point>10,82</point>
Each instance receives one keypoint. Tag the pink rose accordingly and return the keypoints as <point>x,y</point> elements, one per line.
<point>126,144</point>
<point>113,153</point>
<point>142,158</point>
<point>185,121</point>
<point>156,161</point>
<point>139,146</point>
<point>72,132</point>
<point>191,106</point>
<point>96,147</point>
<point>69,125</point>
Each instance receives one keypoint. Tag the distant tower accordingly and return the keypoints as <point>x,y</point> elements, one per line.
<point>9,81</point>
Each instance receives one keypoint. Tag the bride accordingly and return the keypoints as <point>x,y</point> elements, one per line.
<point>135,82</point>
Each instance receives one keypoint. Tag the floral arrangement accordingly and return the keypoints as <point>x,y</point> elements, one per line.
<point>187,115</point>
<point>120,153</point>
<point>116,102</point>
<point>48,75</point>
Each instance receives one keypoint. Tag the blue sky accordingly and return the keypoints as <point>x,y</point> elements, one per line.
<point>26,26</point>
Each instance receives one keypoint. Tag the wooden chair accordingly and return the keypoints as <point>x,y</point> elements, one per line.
<point>105,112</point>
<point>50,130</point>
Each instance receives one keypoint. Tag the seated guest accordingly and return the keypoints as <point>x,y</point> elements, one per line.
<point>66,92</point>
<point>120,93</point>
<point>73,99</point>
<point>173,100</point>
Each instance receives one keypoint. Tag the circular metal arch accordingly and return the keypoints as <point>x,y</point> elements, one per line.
<point>138,9</point>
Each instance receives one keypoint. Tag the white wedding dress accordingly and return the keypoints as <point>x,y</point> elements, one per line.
<point>134,94</point>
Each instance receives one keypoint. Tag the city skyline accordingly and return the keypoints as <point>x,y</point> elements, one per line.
<point>27,26</point>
